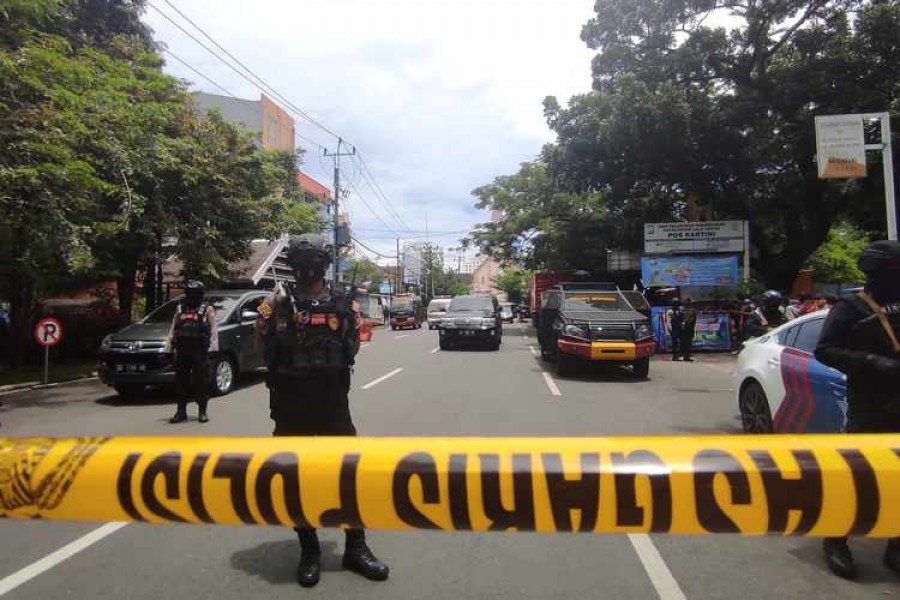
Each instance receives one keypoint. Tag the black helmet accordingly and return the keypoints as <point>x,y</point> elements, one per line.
<point>771,298</point>
<point>193,292</point>
<point>309,256</point>
<point>880,255</point>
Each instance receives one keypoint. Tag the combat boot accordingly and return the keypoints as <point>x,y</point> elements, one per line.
<point>309,570</point>
<point>359,559</point>
<point>892,556</point>
<point>839,558</point>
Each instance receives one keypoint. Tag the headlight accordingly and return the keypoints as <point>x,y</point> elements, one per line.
<point>106,344</point>
<point>642,332</point>
<point>575,331</point>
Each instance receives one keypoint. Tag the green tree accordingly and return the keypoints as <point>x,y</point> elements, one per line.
<point>515,283</point>
<point>363,272</point>
<point>835,260</point>
<point>690,121</point>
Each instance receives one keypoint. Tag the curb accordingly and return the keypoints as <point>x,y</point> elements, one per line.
<point>34,385</point>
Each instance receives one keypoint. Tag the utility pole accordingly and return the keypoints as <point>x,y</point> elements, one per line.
<point>336,203</point>
<point>398,276</point>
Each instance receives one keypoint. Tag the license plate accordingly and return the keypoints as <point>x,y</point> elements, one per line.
<point>468,332</point>
<point>128,368</point>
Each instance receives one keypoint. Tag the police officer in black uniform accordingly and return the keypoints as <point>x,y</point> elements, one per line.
<point>860,338</point>
<point>193,335</point>
<point>311,337</point>
<point>766,317</point>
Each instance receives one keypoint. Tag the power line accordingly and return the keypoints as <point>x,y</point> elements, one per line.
<point>369,177</point>
<point>186,64</point>
<point>375,252</point>
<point>260,80</point>
<point>372,210</point>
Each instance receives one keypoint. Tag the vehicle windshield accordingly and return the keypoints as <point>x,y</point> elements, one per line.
<point>402,306</point>
<point>437,306</point>
<point>471,304</point>
<point>610,301</point>
<point>223,306</point>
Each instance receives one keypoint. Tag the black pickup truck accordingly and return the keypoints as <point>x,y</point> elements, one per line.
<point>593,322</point>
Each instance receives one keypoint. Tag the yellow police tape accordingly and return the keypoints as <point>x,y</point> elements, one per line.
<point>800,485</point>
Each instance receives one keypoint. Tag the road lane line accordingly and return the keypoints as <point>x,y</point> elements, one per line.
<point>435,351</point>
<point>11,582</point>
<point>554,389</point>
<point>719,368</point>
<point>534,351</point>
<point>400,337</point>
<point>375,382</point>
<point>657,570</point>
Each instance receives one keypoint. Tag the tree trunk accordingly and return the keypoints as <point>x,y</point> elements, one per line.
<point>126,292</point>
<point>21,313</point>
<point>150,285</point>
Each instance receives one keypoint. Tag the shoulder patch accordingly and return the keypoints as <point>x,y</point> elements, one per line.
<point>265,311</point>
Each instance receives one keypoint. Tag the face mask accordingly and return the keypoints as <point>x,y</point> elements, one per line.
<point>885,286</point>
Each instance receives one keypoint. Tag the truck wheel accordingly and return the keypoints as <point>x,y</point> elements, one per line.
<point>444,344</point>
<point>130,391</point>
<point>641,368</point>
<point>565,364</point>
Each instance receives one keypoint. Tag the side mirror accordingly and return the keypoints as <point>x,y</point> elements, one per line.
<point>249,315</point>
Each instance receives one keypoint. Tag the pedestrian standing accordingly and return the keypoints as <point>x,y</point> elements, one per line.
<point>193,335</point>
<point>860,338</point>
<point>688,326</point>
<point>310,337</point>
<point>675,321</point>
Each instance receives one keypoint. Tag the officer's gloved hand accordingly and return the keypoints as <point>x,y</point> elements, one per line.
<point>884,365</point>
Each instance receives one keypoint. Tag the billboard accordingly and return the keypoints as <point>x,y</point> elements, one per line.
<point>697,236</point>
<point>697,271</point>
<point>713,331</point>
<point>840,147</point>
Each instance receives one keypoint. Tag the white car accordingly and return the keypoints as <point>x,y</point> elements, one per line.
<point>782,388</point>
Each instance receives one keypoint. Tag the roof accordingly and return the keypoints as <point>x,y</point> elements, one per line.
<point>264,254</point>
<point>312,187</point>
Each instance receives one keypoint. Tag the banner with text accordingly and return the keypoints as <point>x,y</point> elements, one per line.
<point>698,271</point>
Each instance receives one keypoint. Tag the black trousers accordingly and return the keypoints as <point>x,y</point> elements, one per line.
<point>192,377</point>
<point>687,341</point>
<point>677,337</point>
<point>313,406</point>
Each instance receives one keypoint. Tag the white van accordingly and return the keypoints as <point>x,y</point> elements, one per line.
<point>436,310</point>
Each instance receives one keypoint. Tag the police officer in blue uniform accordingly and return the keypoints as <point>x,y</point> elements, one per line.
<point>193,335</point>
<point>310,337</point>
<point>860,338</point>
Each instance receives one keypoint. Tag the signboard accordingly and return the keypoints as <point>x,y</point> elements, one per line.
<point>48,332</point>
<point>699,236</point>
<point>698,271</point>
<point>840,147</point>
<point>713,331</point>
<point>385,288</point>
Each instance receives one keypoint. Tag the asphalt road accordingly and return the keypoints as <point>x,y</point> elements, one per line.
<point>510,392</point>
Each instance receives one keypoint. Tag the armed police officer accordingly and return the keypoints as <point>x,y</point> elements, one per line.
<point>193,335</point>
<point>311,337</point>
<point>765,317</point>
<point>860,338</point>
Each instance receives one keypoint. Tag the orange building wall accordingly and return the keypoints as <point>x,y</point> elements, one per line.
<point>277,127</point>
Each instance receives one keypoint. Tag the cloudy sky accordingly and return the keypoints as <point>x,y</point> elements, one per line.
<point>438,97</point>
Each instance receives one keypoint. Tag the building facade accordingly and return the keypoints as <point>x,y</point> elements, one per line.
<point>272,125</point>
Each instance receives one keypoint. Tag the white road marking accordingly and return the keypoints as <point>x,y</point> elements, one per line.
<point>11,582</point>
<point>400,337</point>
<point>436,350</point>
<point>534,350</point>
<point>660,575</point>
<point>375,382</point>
<point>551,384</point>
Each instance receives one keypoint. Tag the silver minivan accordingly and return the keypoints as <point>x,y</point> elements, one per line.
<point>436,310</point>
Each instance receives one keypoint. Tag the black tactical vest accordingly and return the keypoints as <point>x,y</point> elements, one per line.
<point>307,337</point>
<point>191,327</point>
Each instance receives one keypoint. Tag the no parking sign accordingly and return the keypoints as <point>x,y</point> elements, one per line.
<point>48,332</point>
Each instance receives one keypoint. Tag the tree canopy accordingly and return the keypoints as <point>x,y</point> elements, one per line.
<point>693,119</point>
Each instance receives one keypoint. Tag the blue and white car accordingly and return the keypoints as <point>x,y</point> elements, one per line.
<point>782,388</point>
